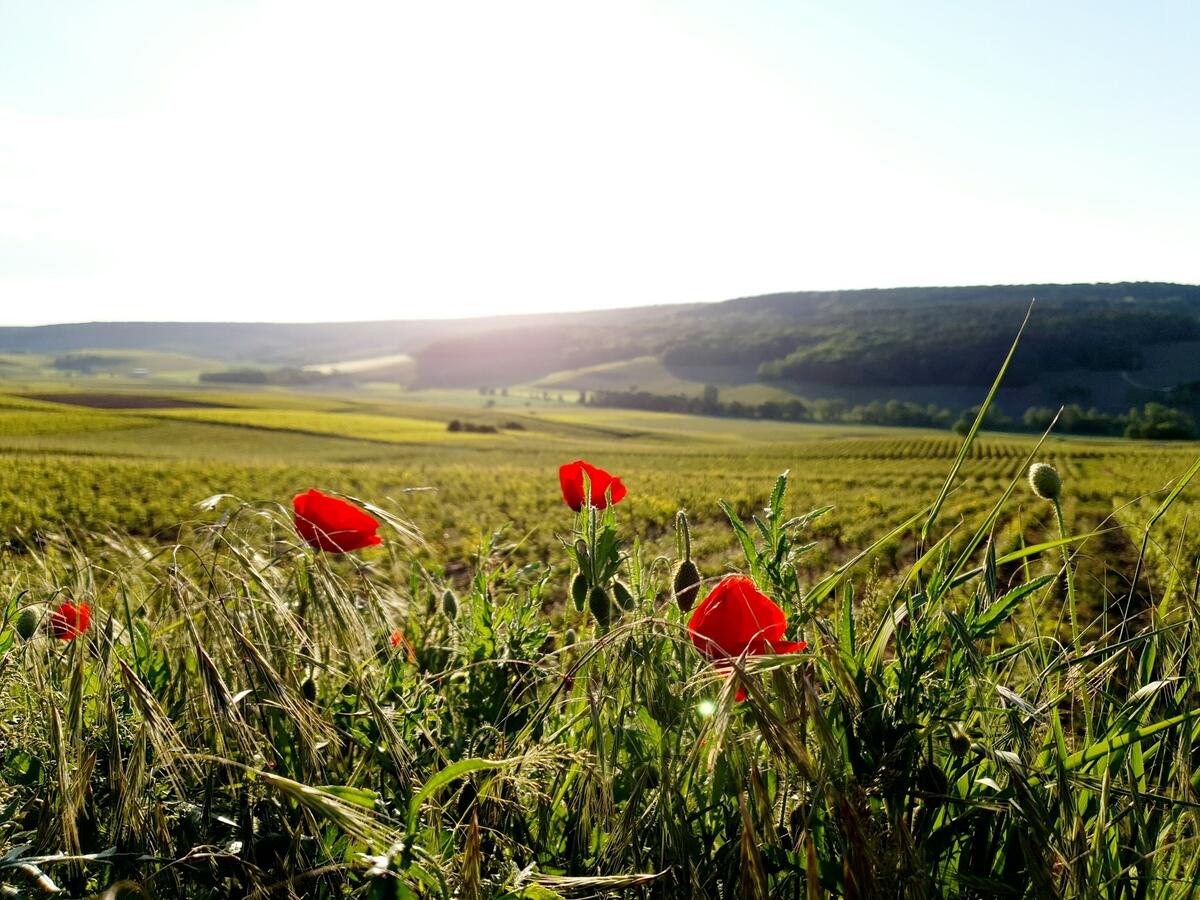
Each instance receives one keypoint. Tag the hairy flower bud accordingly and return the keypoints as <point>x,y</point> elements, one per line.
<point>450,605</point>
<point>623,595</point>
<point>579,590</point>
<point>960,739</point>
<point>686,584</point>
<point>27,622</point>
<point>1044,480</point>
<point>600,604</point>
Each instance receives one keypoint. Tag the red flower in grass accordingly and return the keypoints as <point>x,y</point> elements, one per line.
<point>602,484</point>
<point>398,640</point>
<point>333,525</point>
<point>737,619</point>
<point>70,620</point>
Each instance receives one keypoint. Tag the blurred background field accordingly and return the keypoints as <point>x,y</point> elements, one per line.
<point>142,462</point>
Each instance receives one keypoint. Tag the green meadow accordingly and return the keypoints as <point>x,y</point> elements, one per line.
<point>76,467</point>
<point>993,700</point>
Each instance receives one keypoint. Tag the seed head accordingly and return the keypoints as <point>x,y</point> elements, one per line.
<point>1044,480</point>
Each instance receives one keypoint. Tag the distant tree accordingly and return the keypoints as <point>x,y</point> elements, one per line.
<point>235,376</point>
<point>770,410</point>
<point>995,420</point>
<point>710,399</point>
<point>1157,421</point>
<point>1038,418</point>
<point>828,410</point>
<point>796,410</point>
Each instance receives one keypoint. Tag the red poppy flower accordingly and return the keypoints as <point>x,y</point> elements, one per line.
<point>398,640</point>
<point>333,525</point>
<point>70,620</point>
<point>736,618</point>
<point>602,484</point>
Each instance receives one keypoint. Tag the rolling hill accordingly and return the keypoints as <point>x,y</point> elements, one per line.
<point>1104,345</point>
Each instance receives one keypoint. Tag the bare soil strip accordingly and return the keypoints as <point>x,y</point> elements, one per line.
<point>96,400</point>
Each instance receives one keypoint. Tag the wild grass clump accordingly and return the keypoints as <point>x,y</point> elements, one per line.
<point>246,716</point>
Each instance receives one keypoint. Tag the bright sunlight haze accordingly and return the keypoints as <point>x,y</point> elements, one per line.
<point>388,160</point>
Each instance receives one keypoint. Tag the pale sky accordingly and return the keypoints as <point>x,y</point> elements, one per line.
<point>295,161</point>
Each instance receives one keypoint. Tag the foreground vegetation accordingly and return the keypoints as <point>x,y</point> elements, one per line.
<point>993,700</point>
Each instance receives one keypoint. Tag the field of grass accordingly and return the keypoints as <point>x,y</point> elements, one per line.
<point>93,366</point>
<point>69,465</point>
<point>983,708</point>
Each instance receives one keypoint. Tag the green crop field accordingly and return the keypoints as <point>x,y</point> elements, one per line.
<point>991,703</point>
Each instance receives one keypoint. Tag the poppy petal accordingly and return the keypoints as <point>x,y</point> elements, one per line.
<point>601,485</point>
<point>735,616</point>
<point>333,525</point>
<point>70,620</point>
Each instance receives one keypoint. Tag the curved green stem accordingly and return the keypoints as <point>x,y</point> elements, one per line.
<point>1066,553</point>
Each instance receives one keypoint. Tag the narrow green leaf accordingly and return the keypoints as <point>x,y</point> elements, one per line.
<point>970,438</point>
<point>739,529</point>
<point>996,614</point>
<point>1104,748</point>
<point>451,773</point>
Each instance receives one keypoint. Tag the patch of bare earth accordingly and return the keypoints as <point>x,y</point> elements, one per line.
<point>95,400</point>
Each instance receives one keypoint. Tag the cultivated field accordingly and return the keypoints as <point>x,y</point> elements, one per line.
<point>435,717</point>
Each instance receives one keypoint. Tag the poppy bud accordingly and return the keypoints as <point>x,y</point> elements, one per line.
<point>27,622</point>
<point>1044,480</point>
<point>932,780</point>
<point>960,740</point>
<point>686,584</point>
<point>450,605</point>
<point>570,638</point>
<point>623,596</point>
<point>309,689</point>
<point>601,605</point>
<point>579,590</point>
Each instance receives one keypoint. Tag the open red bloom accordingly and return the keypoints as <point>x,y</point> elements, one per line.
<point>70,620</point>
<point>601,483</point>
<point>333,525</point>
<point>736,618</point>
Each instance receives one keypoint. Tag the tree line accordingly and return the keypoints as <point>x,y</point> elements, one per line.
<point>1154,421</point>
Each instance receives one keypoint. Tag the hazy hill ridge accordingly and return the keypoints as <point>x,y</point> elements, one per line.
<point>1084,344</point>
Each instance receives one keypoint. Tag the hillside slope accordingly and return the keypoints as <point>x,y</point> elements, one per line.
<point>1107,345</point>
